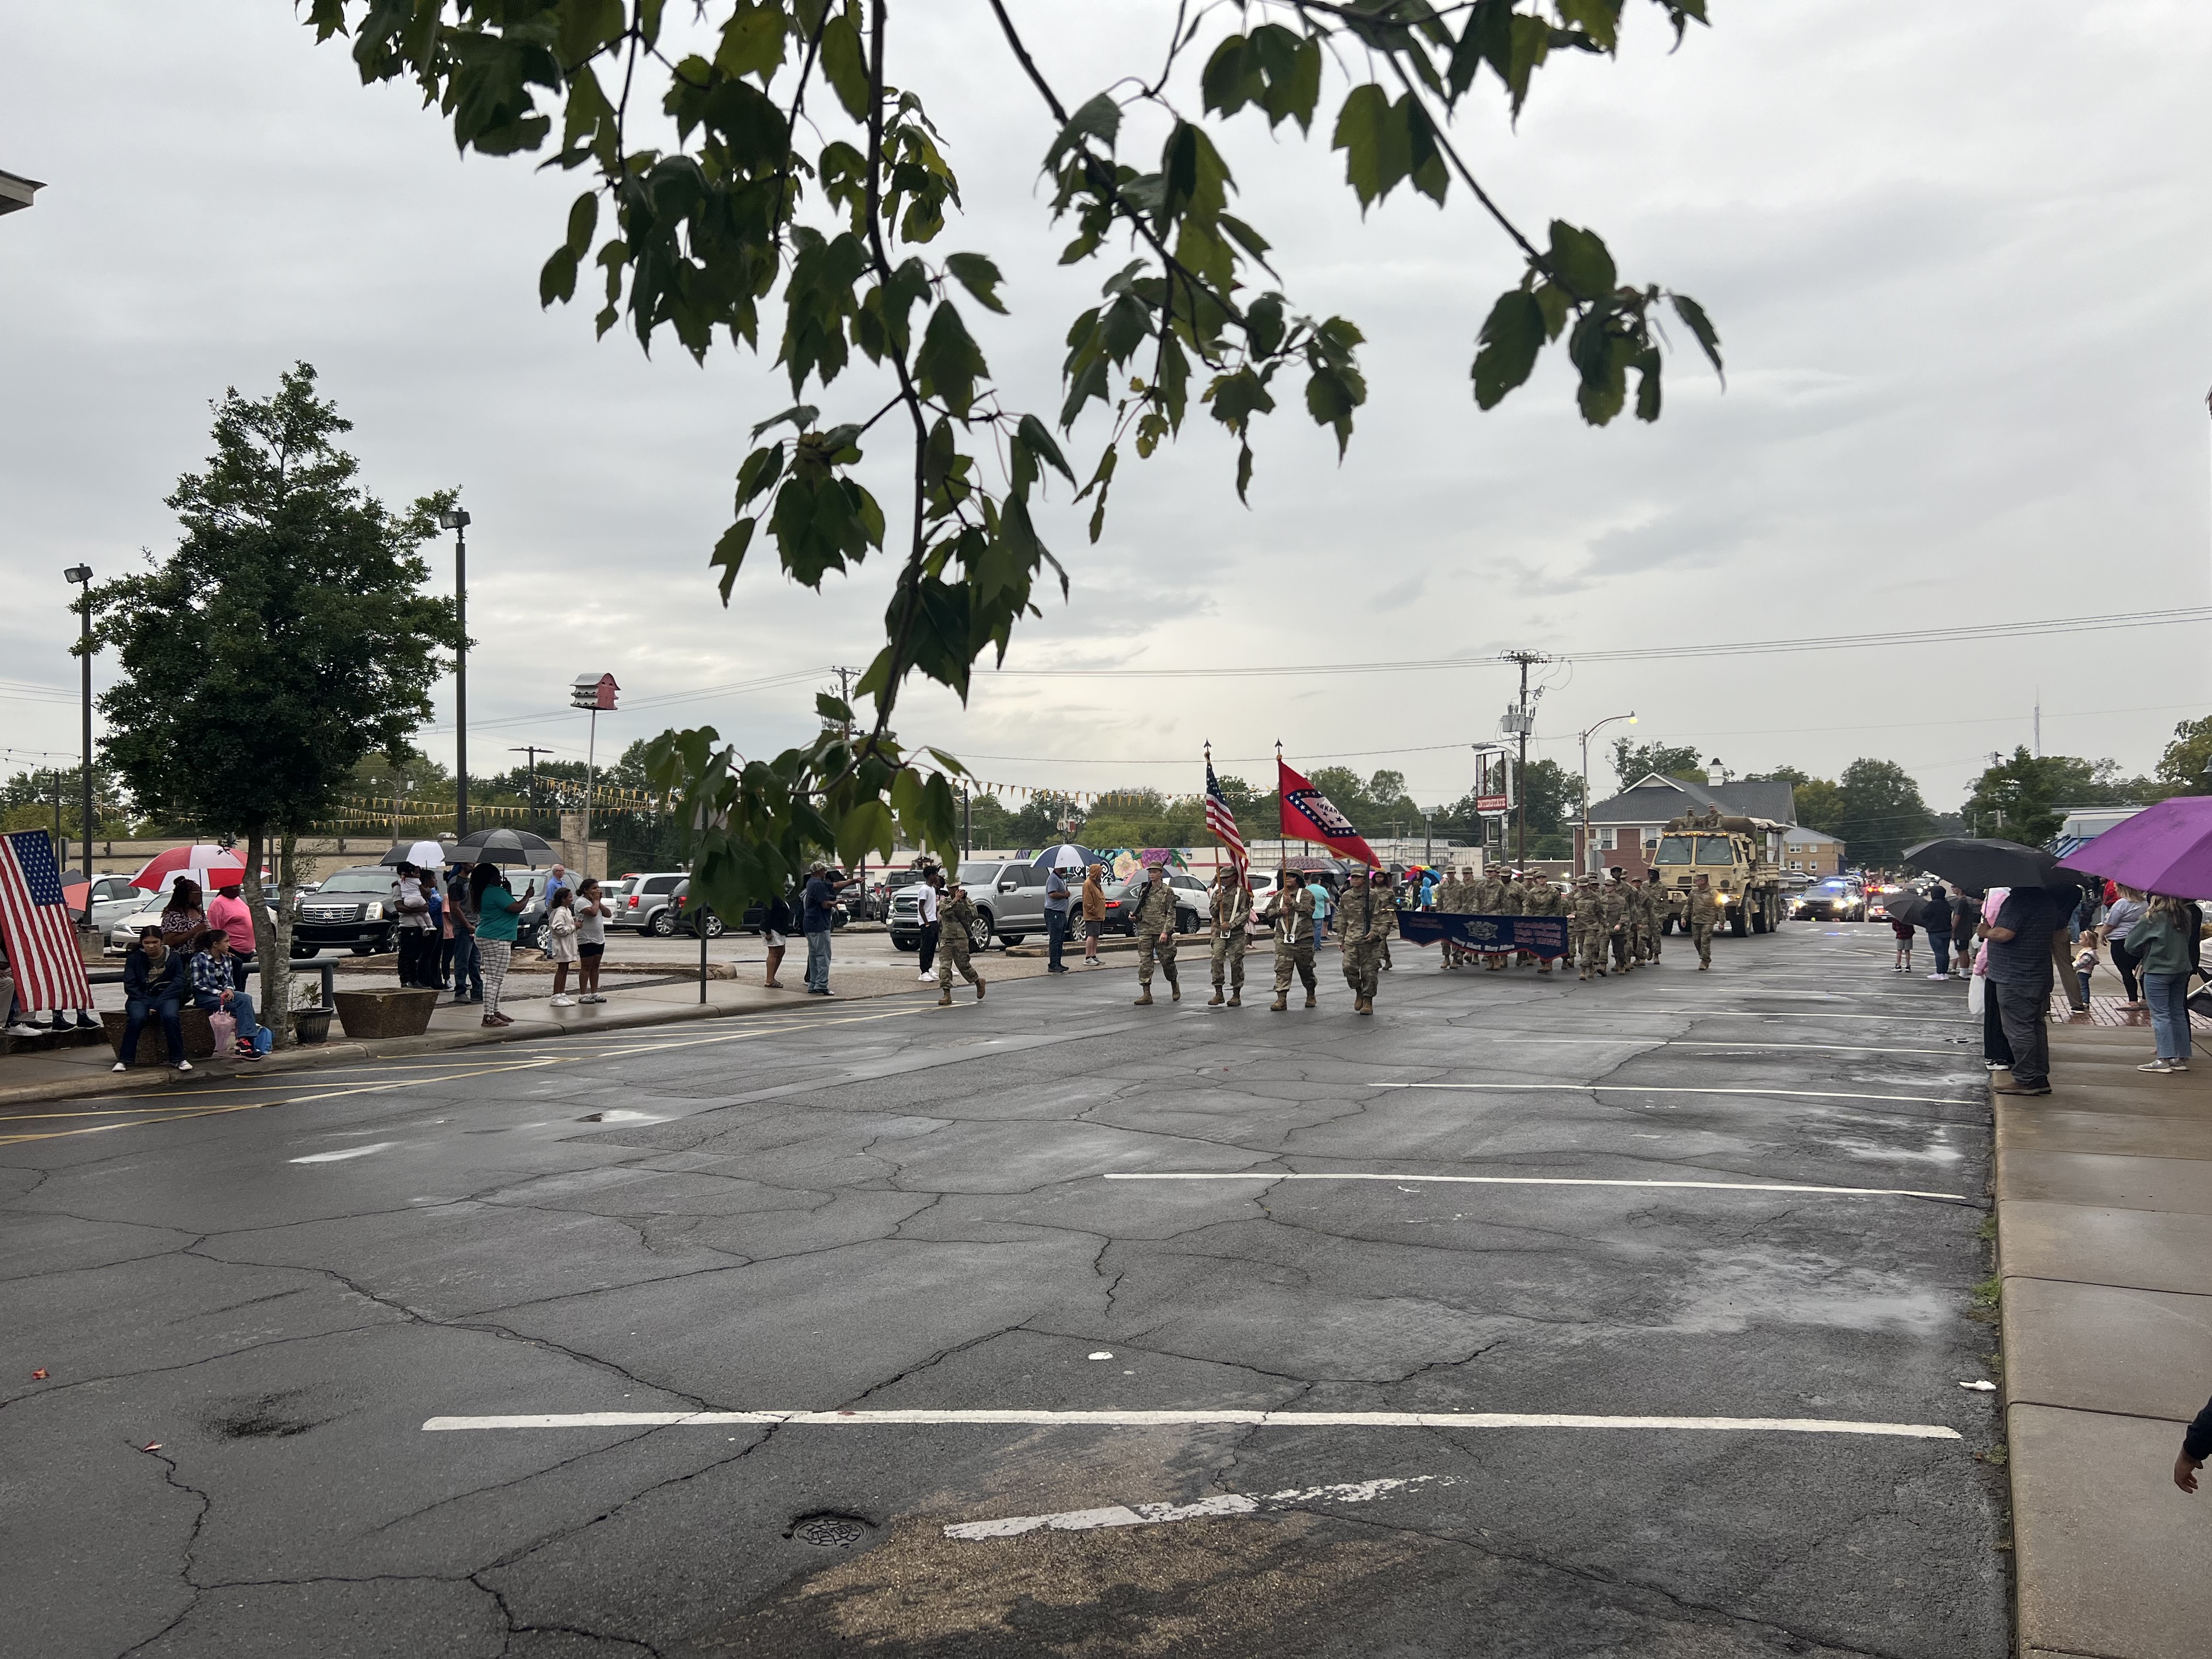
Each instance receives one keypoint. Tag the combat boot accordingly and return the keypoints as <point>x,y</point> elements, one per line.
<point>945,1001</point>
<point>1237,997</point>
<point>1362,1006</point>
<point>1175,990</point>
<point>1145,995</point>
<point>979,988</point>
<point>1310,1001</point>
<point>1282,1001</point>
<point>1214,1001</point>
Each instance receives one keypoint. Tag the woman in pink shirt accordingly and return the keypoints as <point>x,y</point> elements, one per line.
<point>233,916</point>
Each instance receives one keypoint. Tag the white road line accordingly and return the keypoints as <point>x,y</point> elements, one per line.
<point>1134,1419</point>
<point>1153,1515</point>
<point>1656,1089</point>
<point>1714,1042</point>
<point>1548,1181</point>
<point>351,1151</point>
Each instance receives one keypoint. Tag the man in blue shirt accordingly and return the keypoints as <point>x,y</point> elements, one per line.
<point>818,917</point>
<point>1055,915</point>
<point>2019,972</point>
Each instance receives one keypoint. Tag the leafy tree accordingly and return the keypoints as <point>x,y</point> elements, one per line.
<point>26,802</point>
<point>2185,768</point>
<point>1633,760</point>
<point>1882,811</point>
<point>285,638</point>
<point>1820,805</point>
<point>705,233</point>
<point>1555,798</point>
<point>2025,797</point>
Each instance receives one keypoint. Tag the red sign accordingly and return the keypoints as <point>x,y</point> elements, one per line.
<point>1490,803</point>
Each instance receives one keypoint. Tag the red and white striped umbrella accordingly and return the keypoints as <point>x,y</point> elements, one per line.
<point>207,864</point>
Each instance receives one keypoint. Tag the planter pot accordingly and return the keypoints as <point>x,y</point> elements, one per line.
<point>199,1039</point>
<point>390,1013</point>
<point>311,1024</point>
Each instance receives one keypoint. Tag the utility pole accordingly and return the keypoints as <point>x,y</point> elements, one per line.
<point>533,751</point>
<point>2039,722</point>
<point>457,520</point>
<point>81,575</point>
<point>844,696</point>
<point>1517,722</point>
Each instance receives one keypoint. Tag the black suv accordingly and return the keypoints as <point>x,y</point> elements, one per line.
<point>353,907</point>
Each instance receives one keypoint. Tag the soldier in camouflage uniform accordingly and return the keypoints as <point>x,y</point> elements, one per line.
<point>1702,917</point>
<point>1488,899</point>
<point>1450,900</point>
<point>1586,928</point>
<point>1655,897</point>
<point>1386,892</point>
<point>1291,908</point>
<point>1365,918</point>
<point>1618,897</point>
<point>1155,923</point>
<point>1544,900</point>
<point>955,914</point>
<point>1231,908</point>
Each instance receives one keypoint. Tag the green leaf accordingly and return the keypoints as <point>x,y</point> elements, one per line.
<point>556,280</point>
<point>752,42</point>
<point>1228,82</point>
<point>800,415</point>
<point>1579,262</point>
<point>949,363</point>
<point>844,65</point>
<point>1032,434</point>
<point>1646,366</point>
<point>980,277</point>
<point>1372,143</point>
<point>1599,18</point>
<point>1100,118</point>
<point>1243,470</point>
<point>1511,337</point>
<point>1693,317</point>
<point>729,554</point>
<point>760,471</point>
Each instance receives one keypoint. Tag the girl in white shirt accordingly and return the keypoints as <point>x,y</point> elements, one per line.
<point>591,939</point>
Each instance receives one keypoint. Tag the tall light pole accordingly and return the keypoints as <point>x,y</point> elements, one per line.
<point>457,520</point>
<point>1585,735</point>
<point>81,575</point>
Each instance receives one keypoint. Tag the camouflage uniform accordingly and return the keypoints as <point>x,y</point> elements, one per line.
<point>1156,936</point>
<point>1617,895</point>
<point>1291,910</point>
<point>1450,899</point>
<point>1586,929</point>
<point>1513,901</point>
<point>1488,899</point>
<point>1703,915</point>
<point>955,917</point>
<point>1545,900</point>
<point>1231,908</point>
<point>1365,917</point>
<point>1661,907</point>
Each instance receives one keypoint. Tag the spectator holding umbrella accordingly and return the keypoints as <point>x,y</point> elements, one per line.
<point>2019,971</point>
<point>467,964</point>
<point>496,909</point>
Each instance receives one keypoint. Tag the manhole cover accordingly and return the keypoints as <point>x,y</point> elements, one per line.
<point>829,1531</point>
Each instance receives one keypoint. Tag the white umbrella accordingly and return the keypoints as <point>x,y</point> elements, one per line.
<point>427,855</point>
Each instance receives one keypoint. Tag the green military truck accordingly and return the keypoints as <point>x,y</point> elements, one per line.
<point>1741,855</point>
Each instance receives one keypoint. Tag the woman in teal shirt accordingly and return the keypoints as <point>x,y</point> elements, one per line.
<point>497,909</point>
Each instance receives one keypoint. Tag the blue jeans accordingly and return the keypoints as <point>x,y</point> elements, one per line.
<point>2168,996</point>
<point>136,1009</point>
<point>1941,945</point>
<point>240,1008</point>
<point>468,967</point>
<point>817,961</point>
<point>1055,932</point>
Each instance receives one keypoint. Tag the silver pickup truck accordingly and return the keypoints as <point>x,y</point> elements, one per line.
<point>1009,899</point>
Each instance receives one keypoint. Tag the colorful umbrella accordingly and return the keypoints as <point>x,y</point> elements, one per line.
<point>2166,848</point>
<point>206,863</point>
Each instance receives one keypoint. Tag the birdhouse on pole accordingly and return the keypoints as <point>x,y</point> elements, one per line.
<point>594,691</point>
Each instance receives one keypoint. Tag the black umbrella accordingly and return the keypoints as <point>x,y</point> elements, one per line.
<point>1979,866</point>
<point>1905,906</point>
<point>502,847</point>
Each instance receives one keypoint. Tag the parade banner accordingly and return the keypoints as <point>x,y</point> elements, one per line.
<point>1539,936</point>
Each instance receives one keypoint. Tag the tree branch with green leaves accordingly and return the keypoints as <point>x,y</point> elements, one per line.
<point>728,213</point>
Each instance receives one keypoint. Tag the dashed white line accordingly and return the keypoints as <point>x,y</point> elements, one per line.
<point>1156,1420</point>
<point>351,1151</point>
<point>1547,1181</point>
<point>1153,1515</point>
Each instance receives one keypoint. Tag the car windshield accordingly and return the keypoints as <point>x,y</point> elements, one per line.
<point>978,875</point>
<point>1673,849</point>
<point>359,881</point>
<point>1715,849</point>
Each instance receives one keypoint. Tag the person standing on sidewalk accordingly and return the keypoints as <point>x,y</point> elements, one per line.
<point>461,916</point>
<point>229,912</point>
<point>560,937</point>
<point>2120,917</point>
<point>497,909</point>
<point>2160,942</point>
<point>590,939</point>
<point>2020,975</point>
<point>933,925</point>
<point>775,928</point>
<point>1055,917</point>
<point>183,920</point>
<point>818,917</point>
<point>1094,911</point>
<point>1936,920</point>
<point>413,909</point>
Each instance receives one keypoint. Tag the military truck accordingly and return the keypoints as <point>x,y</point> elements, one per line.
<point>1741,855</point>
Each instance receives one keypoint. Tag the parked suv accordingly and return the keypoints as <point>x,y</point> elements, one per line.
<point>353,907</point>
<point>645,907</point>
<point>1009,899</point>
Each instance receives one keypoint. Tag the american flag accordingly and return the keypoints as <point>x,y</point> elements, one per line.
<point>34,921</point>
<point>1221,821</point>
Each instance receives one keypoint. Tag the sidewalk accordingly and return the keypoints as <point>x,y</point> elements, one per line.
<point>2104,1208</point>
<point>63,1073</point>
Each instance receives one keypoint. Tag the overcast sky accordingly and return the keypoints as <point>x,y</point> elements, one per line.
<point>1956,256</point>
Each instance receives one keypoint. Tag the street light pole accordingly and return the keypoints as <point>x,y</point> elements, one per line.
<point>457,520</point>
<point>81,575</point>
<point>1585,734</point>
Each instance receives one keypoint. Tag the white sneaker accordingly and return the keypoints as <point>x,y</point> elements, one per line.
<point>1939,976</point>
<point>22,1028</point>
<point>564,1002</point>
<point>119,1066</point>
<point>2156,1065</point>
<point>184,1066</point>
<point>925,977</point>
<point>594,997</point>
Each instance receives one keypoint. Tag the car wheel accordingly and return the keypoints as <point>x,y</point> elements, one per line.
<point>364,949</point>
<point>1186,921</point>
<point>979,931</point>
<point>301,952</point>
<point>904,942</point>
<point>663,925</point>
<point>714,929</point>
<point>1007,941</point>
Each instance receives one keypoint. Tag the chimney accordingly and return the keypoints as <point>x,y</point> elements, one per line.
<point>1716,774</point>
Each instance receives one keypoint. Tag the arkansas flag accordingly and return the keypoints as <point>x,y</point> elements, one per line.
<point>1308,815</point>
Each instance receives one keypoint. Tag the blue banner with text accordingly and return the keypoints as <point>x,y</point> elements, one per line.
<point>1539,936</point>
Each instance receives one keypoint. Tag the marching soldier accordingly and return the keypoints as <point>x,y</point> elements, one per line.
<point>1231,906</point>
<point>1617,893</point>
<point>1449,900</point>
<point>1291,908</point>
<point>1488,899</point>
<point>1661,907</point>
<point>1365,919</point>
<point>1156,934</point>
<point>1544,900</point>
<point>1704,914</point>
<point>1386,893</point>
<point>1586,928</point>
<point>957,915</point>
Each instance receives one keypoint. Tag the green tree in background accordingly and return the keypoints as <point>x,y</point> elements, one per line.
<point>1882,812</point>
<point>1634,760</point>
<point>838,242</point>
<point>2025,797</point>
<point>2185,768</point>
<point>284,640</point>
<point>1819,802</point>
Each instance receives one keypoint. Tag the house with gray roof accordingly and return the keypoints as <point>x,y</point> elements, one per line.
<point>1623,826</point>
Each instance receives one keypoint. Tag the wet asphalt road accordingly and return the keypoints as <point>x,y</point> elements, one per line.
<point>248,1315</point>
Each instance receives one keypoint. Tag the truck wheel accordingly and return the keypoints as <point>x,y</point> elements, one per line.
<point>1739,924</point>
<point>1666,925</point>
<point>979,931</point>
<point>903,941</point>
<point>1758,919</point>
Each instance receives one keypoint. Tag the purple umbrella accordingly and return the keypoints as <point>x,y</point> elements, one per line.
<point>2166,848</point>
